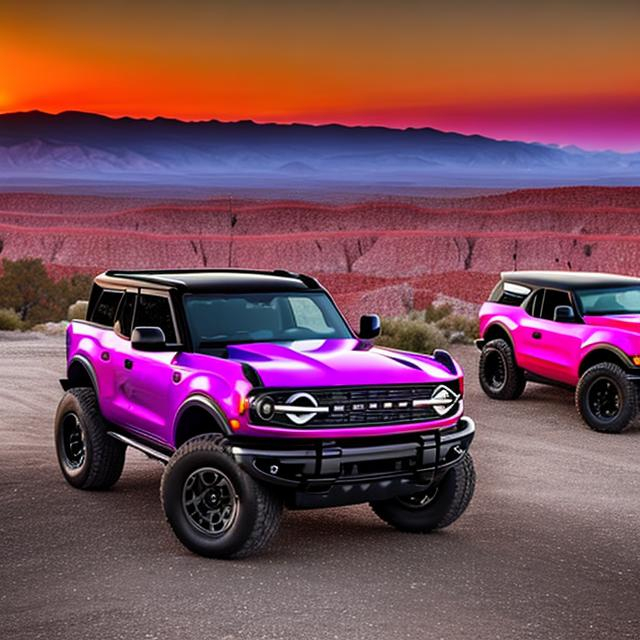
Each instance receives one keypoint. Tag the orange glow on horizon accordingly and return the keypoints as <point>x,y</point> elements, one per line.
<point>368,62</point>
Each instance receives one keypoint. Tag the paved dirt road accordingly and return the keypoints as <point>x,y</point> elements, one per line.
<point>548,549</point>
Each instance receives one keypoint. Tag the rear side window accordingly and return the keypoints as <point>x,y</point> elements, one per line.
<point>105,310</point>
<point>155,311</point>
<point>509,293</point>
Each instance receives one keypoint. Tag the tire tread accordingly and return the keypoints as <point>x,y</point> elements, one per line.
<point>269,508</point>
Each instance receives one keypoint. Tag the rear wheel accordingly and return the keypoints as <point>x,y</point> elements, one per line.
<point>214,507</point>
<point>500,377</point>
<point>435,508</point>
<point>88,457</point>
<point>606,399</point>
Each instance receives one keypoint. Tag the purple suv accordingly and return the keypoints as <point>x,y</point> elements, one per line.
<point>579,330</point>
<point>255,392</point>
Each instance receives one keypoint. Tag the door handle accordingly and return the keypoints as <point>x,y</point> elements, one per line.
<point>536,335</point>
<point>128,364</point>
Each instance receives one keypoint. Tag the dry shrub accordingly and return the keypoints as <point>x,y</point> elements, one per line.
<point>424,331</point>
<point>9,320</point>
<point>411,335</point>
<point>457,328</point>
<point>78,310</point>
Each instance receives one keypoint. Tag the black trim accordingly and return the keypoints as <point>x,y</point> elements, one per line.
<point>445,359</point>
<point>252,375</point>
<point>86,363</point>
<point>210,280</point>
<point>331,473</point>
<point>534,377</point>
<point>203,402</point>
<point>164,450</point>
<point>349,396</point>
<point>567,280</point>
<point>621,355</point>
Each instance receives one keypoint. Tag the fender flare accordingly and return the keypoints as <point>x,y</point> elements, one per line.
<point>202,401</point>
<point>502,326</point>
<point>85,363</point>
<point>607,347</point>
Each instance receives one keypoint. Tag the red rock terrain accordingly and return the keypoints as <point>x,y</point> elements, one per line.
<point>389,254</point>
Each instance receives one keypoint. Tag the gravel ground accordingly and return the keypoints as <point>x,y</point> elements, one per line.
<point>547,549</point>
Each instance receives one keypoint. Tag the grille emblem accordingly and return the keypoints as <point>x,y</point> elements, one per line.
<point>441,400</point>
<point>293,407</point>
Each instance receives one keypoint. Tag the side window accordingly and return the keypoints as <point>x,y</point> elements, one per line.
<point>553,299</point>
<point>307,314</point>
<point>125,315</point>
<point>534,305</point>
<point>509,293</point>
<point>155,311</point>
<point>105,311</point>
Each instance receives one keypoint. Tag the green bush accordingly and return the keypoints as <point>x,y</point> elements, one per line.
<point>411,335</point>
<point>9,320</point>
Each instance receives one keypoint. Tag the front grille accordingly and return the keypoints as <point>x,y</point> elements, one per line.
<point>350,406</point>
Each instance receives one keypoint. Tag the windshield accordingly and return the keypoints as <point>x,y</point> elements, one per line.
<point>613,301</point>
<point>219,319</point>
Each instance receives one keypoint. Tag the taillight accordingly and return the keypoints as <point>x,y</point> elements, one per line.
<point>461,385</point>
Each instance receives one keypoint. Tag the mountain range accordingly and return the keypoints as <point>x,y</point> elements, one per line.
<point>83,146</point>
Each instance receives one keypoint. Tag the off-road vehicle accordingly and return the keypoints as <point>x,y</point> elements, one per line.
<point>253,390</point>
<point>579,330</point>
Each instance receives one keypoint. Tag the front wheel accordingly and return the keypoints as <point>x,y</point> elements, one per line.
<point>435,508</point>
<point>214,507</point>
<point>606,398</point>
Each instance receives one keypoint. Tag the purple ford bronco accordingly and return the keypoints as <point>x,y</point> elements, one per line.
<point>253,390</point>
<point>578,330</point>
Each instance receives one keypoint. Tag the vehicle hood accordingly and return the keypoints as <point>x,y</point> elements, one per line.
<point>320,363</point>
<point>628,322</point>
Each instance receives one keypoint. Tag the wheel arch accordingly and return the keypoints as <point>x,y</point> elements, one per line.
<point>81,373</point>
<point>604,353</point>
<point>198,415</point>
<point>497,330</point>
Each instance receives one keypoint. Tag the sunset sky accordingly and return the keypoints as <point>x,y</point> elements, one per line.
<point>563,72</point>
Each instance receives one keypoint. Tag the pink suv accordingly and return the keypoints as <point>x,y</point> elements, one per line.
<point>580,330</point>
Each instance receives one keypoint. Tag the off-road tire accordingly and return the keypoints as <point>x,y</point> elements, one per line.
<point>513,380</point>
<point>258,508</point>
<point>615,376</point>
<point>104,456</point>
<point>450,501</point>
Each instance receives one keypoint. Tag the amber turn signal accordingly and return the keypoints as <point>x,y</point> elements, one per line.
<point>243,405</point>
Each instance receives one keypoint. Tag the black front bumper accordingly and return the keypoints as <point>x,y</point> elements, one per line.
<point>330,473</point>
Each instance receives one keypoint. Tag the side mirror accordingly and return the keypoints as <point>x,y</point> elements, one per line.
<point>148,339</point>
<point>564,313</point>
<point>369,326</point>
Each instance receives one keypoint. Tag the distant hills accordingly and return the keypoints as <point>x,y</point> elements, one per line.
<point>84,146</point>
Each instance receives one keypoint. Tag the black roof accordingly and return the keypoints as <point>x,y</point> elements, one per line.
<point>210,280</point>
<point>568,280</point>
